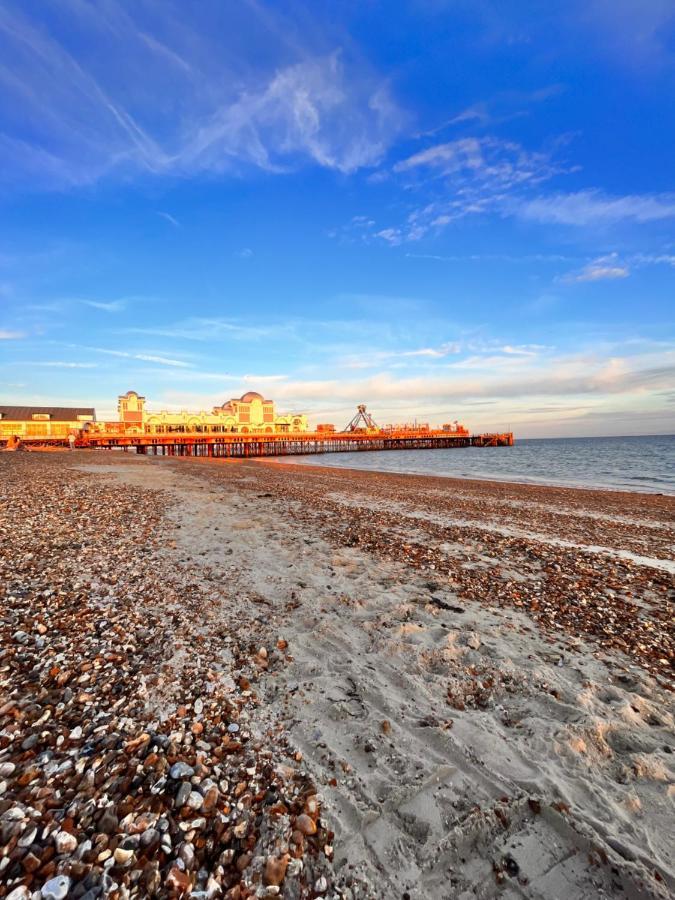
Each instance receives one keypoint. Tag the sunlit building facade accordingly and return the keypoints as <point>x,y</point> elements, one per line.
<point>249,414</point>
<point>44,421</point>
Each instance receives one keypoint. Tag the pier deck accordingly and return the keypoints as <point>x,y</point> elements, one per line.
<point>257,444</point>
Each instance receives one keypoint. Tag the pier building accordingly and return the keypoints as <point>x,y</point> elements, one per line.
<point>249,414</point>
<point>44,421</point>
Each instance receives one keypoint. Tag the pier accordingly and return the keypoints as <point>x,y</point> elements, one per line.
<point>243,427</point>
<point>115,436</point>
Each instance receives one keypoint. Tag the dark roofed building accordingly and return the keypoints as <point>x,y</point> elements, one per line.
<point>43,421</point>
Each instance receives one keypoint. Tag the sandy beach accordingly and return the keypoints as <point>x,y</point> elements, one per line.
<point>251,679</point>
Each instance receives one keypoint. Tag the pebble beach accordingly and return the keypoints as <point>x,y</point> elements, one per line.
<point>246,679</point>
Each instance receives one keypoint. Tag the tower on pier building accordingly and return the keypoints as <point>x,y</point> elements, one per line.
<point>243,415</point>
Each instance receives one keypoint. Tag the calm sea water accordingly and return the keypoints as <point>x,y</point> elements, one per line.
<point>623,463</point>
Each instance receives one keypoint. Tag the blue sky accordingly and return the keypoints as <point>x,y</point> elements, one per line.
<point>441,209</point>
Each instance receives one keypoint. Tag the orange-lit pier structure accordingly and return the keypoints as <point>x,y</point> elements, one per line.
<point>114,435</point>
<point>243,427</point>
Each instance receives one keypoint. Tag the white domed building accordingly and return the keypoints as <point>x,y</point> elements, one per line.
<point>250,414</point>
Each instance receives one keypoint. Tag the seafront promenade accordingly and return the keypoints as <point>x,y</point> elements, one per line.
<point>241,679</point>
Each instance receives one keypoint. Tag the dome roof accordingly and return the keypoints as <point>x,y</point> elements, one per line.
<point>251,395</point>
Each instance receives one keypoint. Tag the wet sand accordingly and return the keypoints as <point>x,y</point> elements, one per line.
<point>466,686</point>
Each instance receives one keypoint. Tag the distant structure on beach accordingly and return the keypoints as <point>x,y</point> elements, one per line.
<point>245,426</point>
<point>47,421</point>
<point>242,415</point>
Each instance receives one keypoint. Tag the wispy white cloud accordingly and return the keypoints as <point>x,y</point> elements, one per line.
<point>244,253</point>
<point>495,257</point>
<point>144,357</point>
<point>654,259</point>
<point>373,357</point>
<point>472,187</point>
<point>213,328</point>
<point>594,208</point>
<point>564,377</point>
<point>502,107</point>
<point>498,163</point>
<point>476,175</point>
<point>169,218</point>
<point>71,122</point>
<point>603,268</point>
<point>524,350</point>
<point>161,360</point>
<point>109,306</point>
<point>434,352</point>
<point>59,364</point>
<point>308,110</point>
<point>8,334</point>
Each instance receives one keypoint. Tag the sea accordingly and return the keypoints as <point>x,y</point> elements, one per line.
<point>644,463</point>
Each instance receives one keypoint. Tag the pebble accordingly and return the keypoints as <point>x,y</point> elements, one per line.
<point>275,869</point>
<point>195,800</point>
<point>65,842</point>
<point>182,794</point>
<point>56,888</point>
<point>305,824</point>
<point>114,792</point>
<point>123,856</point>
<point>19,893</point>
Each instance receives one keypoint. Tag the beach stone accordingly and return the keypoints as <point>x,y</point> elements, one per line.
<point>30,742</point>
<point>56,888</point>
<point>123,856</point>
<point>181,770</point>
<point>65,842</point>
<point>151,877</point>
<point>6,769</point>
<point>149,837</point>
<point>19,893</point>
<point>195,800</point>
<point>182,794</point>
<point>241,829</point>
<point>211,799</point>
<point>27,837</point>
<point>108,822</point>
<point>177,881</point>
<point>275,869</point>
<point>186,854</point>
<point>472,640</point>
<point>31,862</point>
<point>305,825</point>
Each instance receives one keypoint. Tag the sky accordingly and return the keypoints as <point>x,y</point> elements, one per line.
<point>445,209</point>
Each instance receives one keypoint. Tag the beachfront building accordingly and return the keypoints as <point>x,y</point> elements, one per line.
<point>43,421</point>
<point>243,415</point>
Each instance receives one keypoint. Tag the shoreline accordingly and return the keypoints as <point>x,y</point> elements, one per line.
<point>457,710</point>
<point>489,479</point>
<point>459,479</point>
<point>576,486</point>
